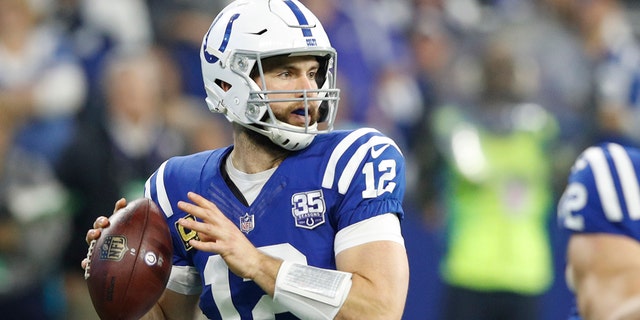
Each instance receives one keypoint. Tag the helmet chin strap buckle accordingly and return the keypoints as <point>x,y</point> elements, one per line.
<point>255,112</point>
<point>215,107</point>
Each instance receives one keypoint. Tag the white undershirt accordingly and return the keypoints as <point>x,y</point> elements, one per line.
<point>249,184</point>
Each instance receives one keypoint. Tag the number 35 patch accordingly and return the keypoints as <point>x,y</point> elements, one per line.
<point>308,209</point>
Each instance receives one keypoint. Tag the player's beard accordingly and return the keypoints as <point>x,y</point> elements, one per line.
<point>259,140</point>
<point>284,113</point>
<point>281,114</point>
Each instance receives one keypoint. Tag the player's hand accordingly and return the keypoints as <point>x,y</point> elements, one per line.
<point>217,234</point>
<point>100,223</point>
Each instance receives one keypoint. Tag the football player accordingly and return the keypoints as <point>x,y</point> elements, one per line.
<point>295,219</point>
<point>600,209</point>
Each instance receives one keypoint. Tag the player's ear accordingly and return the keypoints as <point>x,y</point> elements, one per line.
<point>224,85</point>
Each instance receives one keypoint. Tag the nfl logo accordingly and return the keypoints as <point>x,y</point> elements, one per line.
<point>246,223</point>
<point>113,248</point>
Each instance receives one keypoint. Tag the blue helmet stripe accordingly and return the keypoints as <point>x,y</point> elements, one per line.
<point>302,20</point>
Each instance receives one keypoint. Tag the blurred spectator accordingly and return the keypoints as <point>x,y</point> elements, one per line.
<point>554,73</point>
<point>366,49</point>
<point>41,85</point>
<point>179,26</point>
<point>497,194</point>
<point>608,40</point>
<point>97,28</point>
<point>114,158</point>
<point>435,57</point>
<point>564,85</point>
<point>33,232</point>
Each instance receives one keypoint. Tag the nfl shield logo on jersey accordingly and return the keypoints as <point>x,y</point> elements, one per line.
<point>246,223</point>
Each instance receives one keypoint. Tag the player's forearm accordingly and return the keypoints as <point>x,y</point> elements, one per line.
<point>628,310</point>
<point>266,272</point>
<point>380,280</point>
<point>610,300</point>
<point>154,314</point>
<point>173,306</point>
<point>368,300</point>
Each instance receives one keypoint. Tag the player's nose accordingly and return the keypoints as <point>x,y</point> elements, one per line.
<point>306,83</point>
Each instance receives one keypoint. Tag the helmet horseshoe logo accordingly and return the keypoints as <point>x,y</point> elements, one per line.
<point>223,46</point>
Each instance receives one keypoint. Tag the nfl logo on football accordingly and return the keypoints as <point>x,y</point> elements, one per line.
<point>113,248</point>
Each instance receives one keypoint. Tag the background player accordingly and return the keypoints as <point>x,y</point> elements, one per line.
<point>309,215</point>
<point>600,209</point>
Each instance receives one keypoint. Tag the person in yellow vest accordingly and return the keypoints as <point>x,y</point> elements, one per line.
<point>498,197</point>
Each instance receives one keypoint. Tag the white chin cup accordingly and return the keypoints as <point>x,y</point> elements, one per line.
<point>285,135</point>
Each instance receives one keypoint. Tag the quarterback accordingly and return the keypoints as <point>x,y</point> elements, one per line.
<point>600,209</point>
<point>295,219</point>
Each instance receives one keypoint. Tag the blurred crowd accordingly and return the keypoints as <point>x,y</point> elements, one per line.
<point>490,100</point>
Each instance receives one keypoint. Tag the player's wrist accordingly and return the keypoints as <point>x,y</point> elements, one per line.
<point>262,269</point>
<point>310,292</point>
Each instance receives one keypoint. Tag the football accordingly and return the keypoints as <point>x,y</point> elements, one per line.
<point>129,265</point>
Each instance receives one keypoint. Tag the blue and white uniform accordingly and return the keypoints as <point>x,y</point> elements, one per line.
<point>308,211</point>
<point>603,194</point>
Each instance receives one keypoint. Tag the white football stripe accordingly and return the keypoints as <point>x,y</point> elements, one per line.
<point>604,183</point>
<point>338,151</point>
<point>628,179</point>
<point>357,158</point>
<point>163,198</point>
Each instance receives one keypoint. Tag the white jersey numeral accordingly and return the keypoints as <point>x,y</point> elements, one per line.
<point>385,182</point>
<point>216,273</point>
<point>575,196</point>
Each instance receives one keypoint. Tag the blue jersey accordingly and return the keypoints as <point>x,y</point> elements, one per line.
<point>603,193</point>
<point>342,178</point>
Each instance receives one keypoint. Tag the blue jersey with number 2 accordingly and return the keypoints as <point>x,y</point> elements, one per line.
<point>603,193</point>
<point>342,178</point>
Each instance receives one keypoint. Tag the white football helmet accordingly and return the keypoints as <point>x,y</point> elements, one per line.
<point>243,34</point>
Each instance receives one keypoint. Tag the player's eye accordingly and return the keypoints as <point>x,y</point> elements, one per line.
<point>284,74</point>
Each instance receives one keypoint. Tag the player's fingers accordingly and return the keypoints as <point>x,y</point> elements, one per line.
<point>196,226</point>
<point>101,222</point>
<point>201,201</point>
<point>204,246</point>
<point>84,263</point>
<point>207,214</point>
<point>92,234</point>
<point>192,209</point>
<point>121,203</point>
<point>207,232</point>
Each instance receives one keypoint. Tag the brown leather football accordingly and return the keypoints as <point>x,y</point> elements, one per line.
<point>130,263</point>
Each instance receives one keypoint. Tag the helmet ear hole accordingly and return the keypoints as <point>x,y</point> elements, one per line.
<point>323,111</point>
<point>225,86</point>
<point>322,71</point>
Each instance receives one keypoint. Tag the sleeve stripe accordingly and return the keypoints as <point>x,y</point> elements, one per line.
<point>627,176</point>
<point>147,189</point>
<point>340,149</point>
<point>163,198</point>
<point>385,227</point>
<point>604,184</point>
<point>353,164</point>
